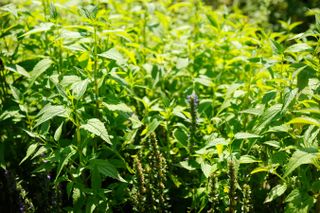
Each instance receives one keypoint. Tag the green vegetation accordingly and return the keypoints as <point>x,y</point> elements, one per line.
<point>156,106</point>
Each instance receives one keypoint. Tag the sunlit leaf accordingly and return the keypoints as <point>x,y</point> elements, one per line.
<point>275,192</point>
<point>96,127</point>
<point>299,158</point>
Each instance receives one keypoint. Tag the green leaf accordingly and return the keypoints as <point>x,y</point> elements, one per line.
<point>213,21</point>
<point>41,28</point>
<point>298,48</point>
<point>151,127</point>
<point>289,97</point>
<point>48,112</point>
<point>38,69</point>
<point>245,135</point>
<point>274,144</point>
<point>277,47</point>
<point>181,136</point>
<point>106,168</point>
<point>304,75</point>
<point>58,132</point>
<point>299,158</point>
<point>217,141</point>
<point>89,11</point>
<point>206,169</point>
<point>79,88</point>
<point>64,156</point>
<point>40,151</point>
<point>275,192</point>
<point>182,63</point>
<point>31,149</point>
<point>11,8</point>
<point>299,201</point>
<point>96,127</point>
<point>187,165</point>
<point>267,117</point>
<point>18,69</point>
<point>260,169</point>
<point>117,107</point>
<point>113,54</point>
<point>305,120</point>
<point>248,159</point>
<point>95,178</point>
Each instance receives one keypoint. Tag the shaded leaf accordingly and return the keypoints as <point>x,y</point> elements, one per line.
<point>31,149</point>
<point>106,168</point>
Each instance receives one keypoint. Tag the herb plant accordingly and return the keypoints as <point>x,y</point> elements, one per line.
<point>156,106</point>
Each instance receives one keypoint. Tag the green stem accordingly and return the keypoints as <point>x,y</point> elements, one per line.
<point>95,66</point>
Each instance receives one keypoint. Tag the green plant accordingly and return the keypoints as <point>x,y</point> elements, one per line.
<point>156,106</point>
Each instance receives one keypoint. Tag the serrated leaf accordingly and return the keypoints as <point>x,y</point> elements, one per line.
<point>289,97</point>
<point>79,88</point>
<point>11,8</point>
<point>31,149</point>
<point>64,156</point>
<point>113,54</point>
<point>96,127</point>
<point>18,69</point>
<point>298,48</point>
<point>38,69</point>
<point>182,63</point>
<point>267,117</point>
<point>245,135</point>
<point>299,158</point>
<point>275,144</point>
<point>277,47</point>
<point>275,192</point>
<point>117,107</point>
<point>40,151</point>
<point>248,159</point>
<point>217,141</point>
<point>305,120</point>
<point>49,112</point>
<point>106,168</point>
<point>181,136</point>
<point>58,132</point>
<point>206,169</point>
<point>299,201</point>
<point>41,28</point>
<point>186,165</point>
<point>89,11</point>
<point>150,127</point>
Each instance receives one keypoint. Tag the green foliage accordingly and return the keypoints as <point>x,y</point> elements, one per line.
<point>156,106</point>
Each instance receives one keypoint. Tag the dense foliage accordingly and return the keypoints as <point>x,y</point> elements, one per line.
<point>156,106</point>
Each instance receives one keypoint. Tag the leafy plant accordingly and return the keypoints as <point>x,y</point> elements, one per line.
<point>156,106</point>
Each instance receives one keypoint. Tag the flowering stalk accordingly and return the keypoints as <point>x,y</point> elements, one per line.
<point>158,164</point>
<point>193,103</point>
<point>246,202</point>
<point>140,200</point>
<point>232,187</point>
<point>213,194</point>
